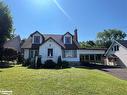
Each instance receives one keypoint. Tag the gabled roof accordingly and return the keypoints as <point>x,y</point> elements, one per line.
<point>27,44</point>
<point>57,38</point>
<point>120,42</point>
<point>14,44</point>
<point>54,41</point>
<point>123,42</point>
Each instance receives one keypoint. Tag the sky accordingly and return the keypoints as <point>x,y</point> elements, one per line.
<point>61,16</point>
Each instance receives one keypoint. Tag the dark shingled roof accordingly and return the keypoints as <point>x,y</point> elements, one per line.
<point>58,38</point>
<point>13,43</point>
<point>123,42</point>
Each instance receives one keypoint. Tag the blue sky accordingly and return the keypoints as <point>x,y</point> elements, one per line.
<point>60,16</point>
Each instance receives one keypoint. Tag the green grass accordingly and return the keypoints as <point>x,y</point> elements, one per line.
<point>72,81</point>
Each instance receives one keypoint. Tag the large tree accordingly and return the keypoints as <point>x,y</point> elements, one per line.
<point>6,25</point>
<point>88,44</point>
<point>104,38</point>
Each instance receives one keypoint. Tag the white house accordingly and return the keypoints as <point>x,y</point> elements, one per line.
<point>51,46</point>
<point>117,53</point>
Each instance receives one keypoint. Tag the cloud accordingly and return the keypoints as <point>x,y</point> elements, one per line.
<point>62,10</point>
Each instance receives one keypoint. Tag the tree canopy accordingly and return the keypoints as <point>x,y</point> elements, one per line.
<point>6,23</point>
<point>6,26</point>
<point>104,39</point>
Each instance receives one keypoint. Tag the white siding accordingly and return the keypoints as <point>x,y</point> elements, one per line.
<point>26,53</point>
<point>121,54</point>
<point>43,50</point>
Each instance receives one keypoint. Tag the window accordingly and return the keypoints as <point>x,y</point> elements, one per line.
<point>91,57</point>
<point>117,48</point>
<point>70,53</point>
<point>36,39</point>
<point>31,53</point>
<point>67,40</point>
<point>50,52</point>
<point>87,57</point>
<point>98,57</point>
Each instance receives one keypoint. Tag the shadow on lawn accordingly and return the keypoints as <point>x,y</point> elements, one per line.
<point>4,65</point>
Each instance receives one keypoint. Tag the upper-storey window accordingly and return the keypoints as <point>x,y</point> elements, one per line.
<point>67,40</point>
<point>36,39</point>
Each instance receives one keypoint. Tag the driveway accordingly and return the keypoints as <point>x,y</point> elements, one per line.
<point>117,72</point>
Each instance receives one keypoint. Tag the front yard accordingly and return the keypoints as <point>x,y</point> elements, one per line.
<point>72,81</point>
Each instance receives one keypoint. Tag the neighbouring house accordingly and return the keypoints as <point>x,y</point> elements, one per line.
<point>51,46</point>
<point>14,44</point>
<point>117,53</point>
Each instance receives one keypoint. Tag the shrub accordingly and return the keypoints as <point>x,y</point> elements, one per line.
<point>65,64</point>
<point>27,62</point>
<point>10,54</point>
<point>20,59</point>
<point>39,64</point>
<point>59,62</point>
<point>50,64</point>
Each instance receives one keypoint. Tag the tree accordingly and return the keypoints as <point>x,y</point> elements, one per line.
<point>105,38</point>
<point>10,54</point>
<point>6,25</point>
<point>88,44</point>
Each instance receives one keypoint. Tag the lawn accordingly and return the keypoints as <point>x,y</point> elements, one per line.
<point>72,81</point>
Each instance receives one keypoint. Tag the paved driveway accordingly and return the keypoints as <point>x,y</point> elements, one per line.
<point>117,72</point>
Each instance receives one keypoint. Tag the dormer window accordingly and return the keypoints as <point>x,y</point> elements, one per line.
<point>36,39</point>
<point>67,40</point>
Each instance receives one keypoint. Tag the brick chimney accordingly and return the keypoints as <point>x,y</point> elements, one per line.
<point>76,34</point>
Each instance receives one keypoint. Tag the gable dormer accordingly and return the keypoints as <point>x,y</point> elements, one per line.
<point>37,38</point>
<point>67,38</point>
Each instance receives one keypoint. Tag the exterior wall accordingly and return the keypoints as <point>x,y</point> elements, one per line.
<point>26,53</point>
<point>90,52</point>
<point>76,59</point>
<point>43,50</point>
<point>121,54</point>
<point>37,34</point>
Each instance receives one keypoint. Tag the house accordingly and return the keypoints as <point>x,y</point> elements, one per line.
<point>117,53</point>
<point>51,46</point>
<point>14,44</point>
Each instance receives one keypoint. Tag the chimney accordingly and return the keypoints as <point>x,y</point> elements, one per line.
<point>76,35</point>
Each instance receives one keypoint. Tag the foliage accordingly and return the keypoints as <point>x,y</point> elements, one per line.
<point>88,44</point>
<point>20,58</point>
<point>59,62</point>
<point>27,62</point>
<point>65,64</point>
<point>39,63</point>
<point>105,38</point>
<point>62,64</point>
<point>50,64</point>
<point>6,26</point>
<point>10,54</point>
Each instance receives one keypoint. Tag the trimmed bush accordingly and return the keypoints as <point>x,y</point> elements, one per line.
<point>65,64</point>
<point>50,64</point>
<point>39,63</point>
<point>59,62</point>
<point>27,62</point>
